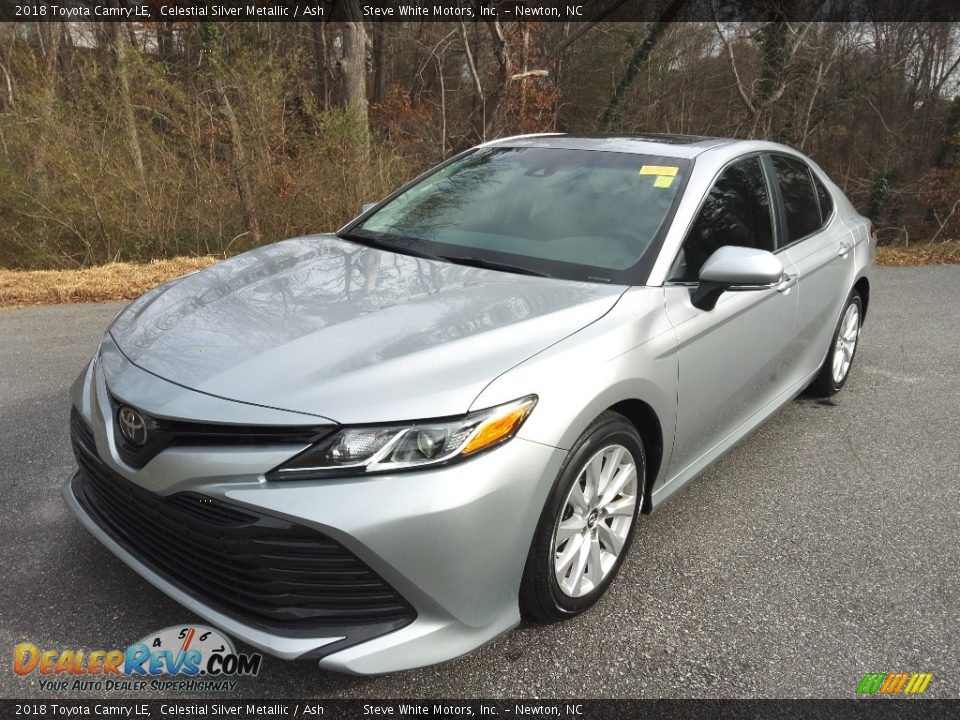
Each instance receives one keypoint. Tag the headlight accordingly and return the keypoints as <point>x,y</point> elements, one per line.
<point>387,448</point>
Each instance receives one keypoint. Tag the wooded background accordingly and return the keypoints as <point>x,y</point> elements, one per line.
<point>131,141</point>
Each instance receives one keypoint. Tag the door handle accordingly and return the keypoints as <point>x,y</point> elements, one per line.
<point>844,249</point>
<point>787,282</point>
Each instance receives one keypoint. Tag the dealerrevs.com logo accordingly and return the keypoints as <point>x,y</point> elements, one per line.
<point>183,657</point>
<point>889,684</point>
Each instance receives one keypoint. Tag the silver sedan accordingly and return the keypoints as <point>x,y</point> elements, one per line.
<point>377,449</point>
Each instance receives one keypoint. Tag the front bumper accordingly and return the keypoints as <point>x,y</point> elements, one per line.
<point>452,541</point>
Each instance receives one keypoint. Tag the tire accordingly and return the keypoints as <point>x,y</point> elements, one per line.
<point>834,372</point>
<point>549,593</point>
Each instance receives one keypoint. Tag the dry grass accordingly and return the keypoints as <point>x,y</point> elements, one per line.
<point>125,281</point>
<point>944,253</point>
<point>115,281</point>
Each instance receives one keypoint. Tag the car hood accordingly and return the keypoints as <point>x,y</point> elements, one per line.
<point>323,326</point>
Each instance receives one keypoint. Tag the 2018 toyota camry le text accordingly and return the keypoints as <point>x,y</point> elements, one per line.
<point>377,449</point>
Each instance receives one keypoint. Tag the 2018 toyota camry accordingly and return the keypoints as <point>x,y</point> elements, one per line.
<point>376,449</point>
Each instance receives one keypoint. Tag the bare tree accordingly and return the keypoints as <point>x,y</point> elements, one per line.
<point>51,51</point>
<point>239,162</point>
<point>352,63</point>
<point>480,123</point>
<point>502,82</point>
<point>379,61</point>
<point>780,41</point>
<point>321,58</point>
<point>640,56</point>
<point>122,51</point>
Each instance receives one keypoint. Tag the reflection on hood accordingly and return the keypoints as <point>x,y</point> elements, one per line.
<point>325,326</point>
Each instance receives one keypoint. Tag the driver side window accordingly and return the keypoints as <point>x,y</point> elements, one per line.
<point>736,212</point>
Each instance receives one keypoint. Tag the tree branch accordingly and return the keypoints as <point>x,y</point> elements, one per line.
<point>529,73</point>
<point>640,56</point>
<point>733,69</point>
<point>943,223</point>
<point>584,28</point>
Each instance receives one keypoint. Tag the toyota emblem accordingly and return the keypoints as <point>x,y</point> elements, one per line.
<point>132,426</point>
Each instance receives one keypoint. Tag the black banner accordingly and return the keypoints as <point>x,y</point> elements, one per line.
<point>416,11</point>
<point>568,709</point>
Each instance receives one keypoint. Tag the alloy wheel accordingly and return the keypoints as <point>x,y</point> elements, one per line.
<point>595,522</point>
<point>846,343</point>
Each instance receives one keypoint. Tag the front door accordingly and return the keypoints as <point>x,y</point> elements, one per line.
<point>737,357</point>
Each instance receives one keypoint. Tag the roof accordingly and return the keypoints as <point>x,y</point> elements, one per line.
<point>679,146</point>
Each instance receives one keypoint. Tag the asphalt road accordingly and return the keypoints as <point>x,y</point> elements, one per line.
<point>825,546</point>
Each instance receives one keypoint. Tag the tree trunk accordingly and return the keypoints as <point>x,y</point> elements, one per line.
<point>239,164</point>
<point>121,47</point>
<point>352,66</point>
<point>11,104</point>
<point>165,41</point>
<point>479,112</point>
<point>379,61</point>
<point>640,56</point>
<point>49,95</point>
<point>321,60</point>
<point>502,86</point>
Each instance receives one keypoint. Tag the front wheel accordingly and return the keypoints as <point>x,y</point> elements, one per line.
<point>836,367</point>
<point>588,522</point>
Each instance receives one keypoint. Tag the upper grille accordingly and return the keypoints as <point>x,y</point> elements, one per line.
<point>163,433</point>
<point>265,571</point>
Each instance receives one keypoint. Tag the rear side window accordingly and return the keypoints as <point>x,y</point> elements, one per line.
<point>735,212</point>
<point>799,199</point>
<point>826,202</point>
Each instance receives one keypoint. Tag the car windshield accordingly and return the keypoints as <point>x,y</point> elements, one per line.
<point>577,214</point>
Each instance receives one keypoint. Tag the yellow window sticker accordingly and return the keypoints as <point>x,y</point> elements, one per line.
<point>659,170</point>
<point>663,181</point>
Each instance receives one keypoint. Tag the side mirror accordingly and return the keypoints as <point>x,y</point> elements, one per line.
<point>367,206</point>
<point>736,268</point>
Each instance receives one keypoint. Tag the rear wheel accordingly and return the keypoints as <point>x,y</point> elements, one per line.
<point>843,347</point>
<point>588,523</point>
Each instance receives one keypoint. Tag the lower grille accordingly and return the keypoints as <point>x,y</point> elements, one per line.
<point>264,571</point>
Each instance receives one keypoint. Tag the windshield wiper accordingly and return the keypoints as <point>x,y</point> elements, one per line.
<point>395,245</point>
<point>486,264</point>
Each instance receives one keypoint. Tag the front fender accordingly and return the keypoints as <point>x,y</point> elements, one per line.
<point>628,354</point>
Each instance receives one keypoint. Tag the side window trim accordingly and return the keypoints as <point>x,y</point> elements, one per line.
<point>769,181</point>
<point>776,202</point>
<point>826,220</point>
<point>781,211</point>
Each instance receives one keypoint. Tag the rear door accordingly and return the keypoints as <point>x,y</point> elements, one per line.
<point>815,241</point>
<point>733,359</point>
